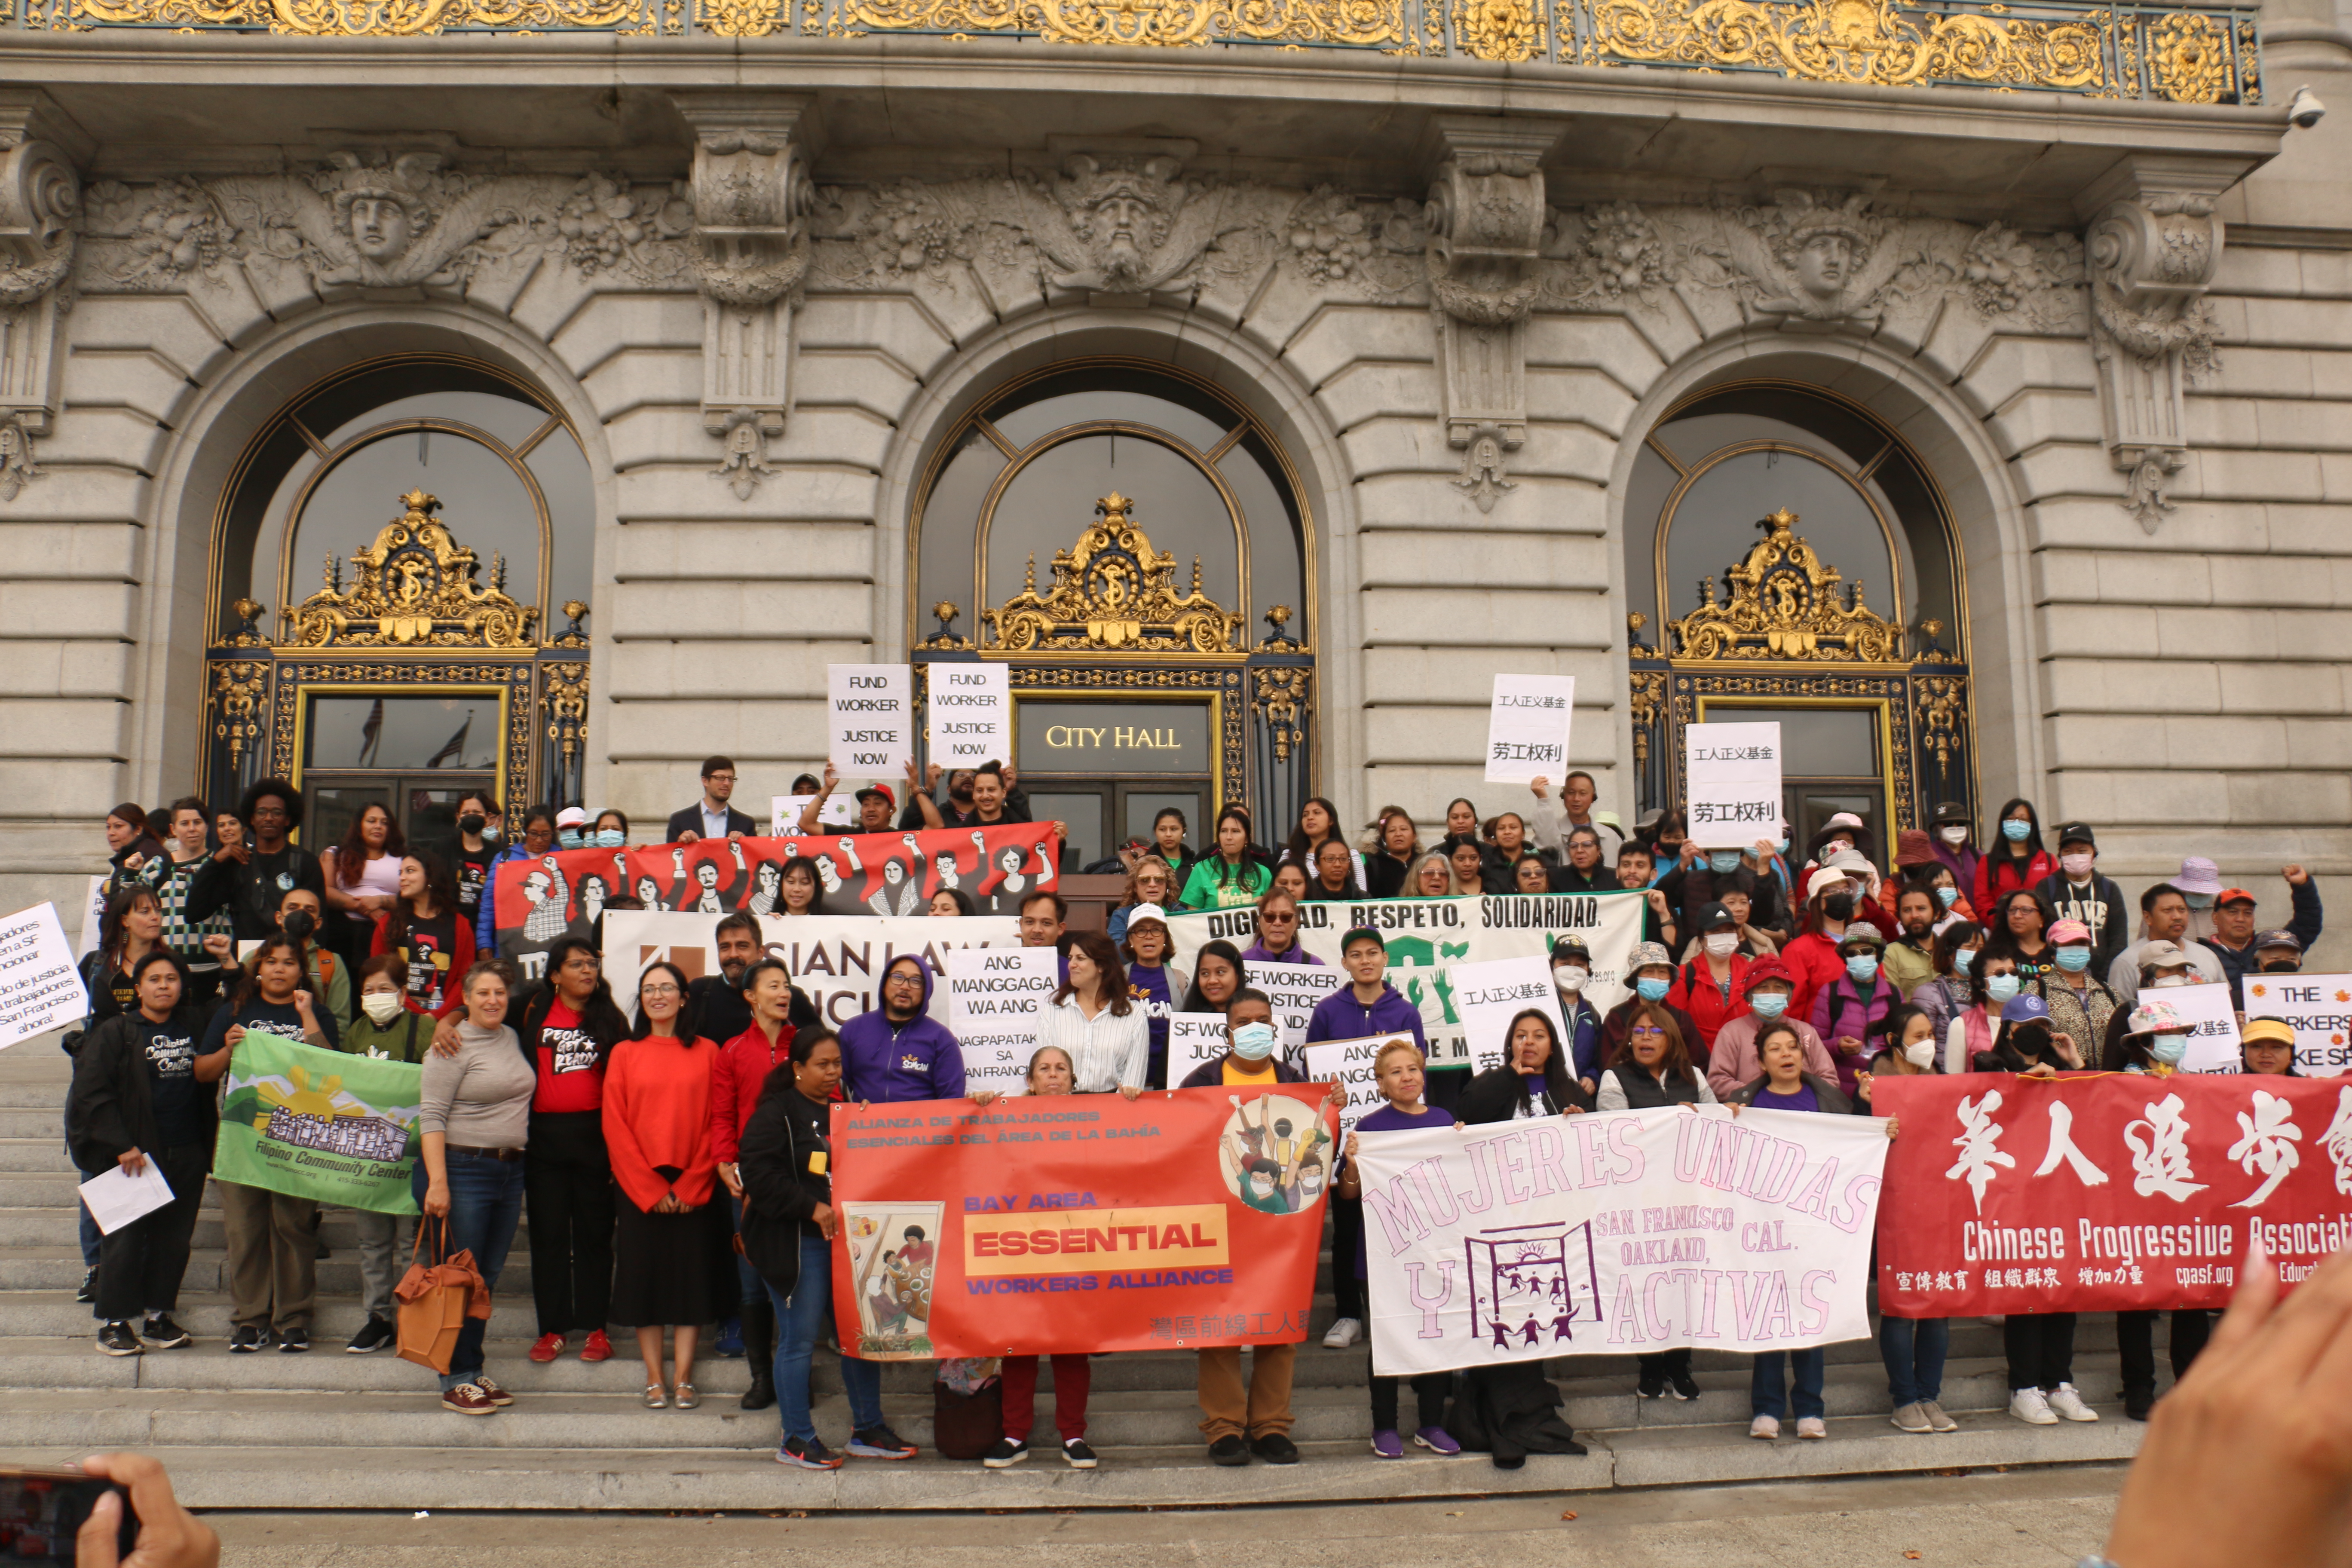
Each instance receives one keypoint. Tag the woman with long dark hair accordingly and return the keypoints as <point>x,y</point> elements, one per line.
<point>1093,1021</point>
<point>1231,875</point>
<point>362,876</point>
<point>672,1262</point>
<point>1954,953</point>
<point>1319,823</point>
<point>799,887</point>
<point>1393,846</point>
<point>130,845</point>
<point>423,930</point>
<point>131,929</point>
<point>2016,858</point>
<point>1534,1078</point>
<point>1216,976</point>
<point>1652,1066</point>
<point>2021,923</point>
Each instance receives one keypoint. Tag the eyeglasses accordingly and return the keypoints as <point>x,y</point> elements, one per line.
<point>909,980</point>
<point>718,778</point>
<point>1273,919</point>
<point>1650,1029</point>
<point>672,991</point>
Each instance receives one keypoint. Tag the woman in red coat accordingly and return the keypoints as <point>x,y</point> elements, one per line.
<point>2016,858</point>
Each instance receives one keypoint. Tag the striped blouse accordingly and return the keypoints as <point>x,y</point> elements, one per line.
<point>1107,1052</point>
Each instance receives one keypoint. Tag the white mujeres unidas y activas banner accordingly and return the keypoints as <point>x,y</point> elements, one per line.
<point>1618,1232</point>
<point>836,961</point>
<point>1426,937</point>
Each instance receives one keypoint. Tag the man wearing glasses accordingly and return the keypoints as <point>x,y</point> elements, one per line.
<point>898,1052</point>
<point>711,817</point>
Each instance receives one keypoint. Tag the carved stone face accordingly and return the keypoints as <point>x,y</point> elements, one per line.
<point>381,229</point>
<point>1823,263</point>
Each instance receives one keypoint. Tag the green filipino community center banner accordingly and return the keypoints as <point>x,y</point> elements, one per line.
<point>314,1123</point>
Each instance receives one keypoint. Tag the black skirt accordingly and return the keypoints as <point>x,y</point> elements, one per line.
<point>671,1268</point>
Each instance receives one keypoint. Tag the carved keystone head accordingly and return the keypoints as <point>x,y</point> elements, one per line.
<point>1121,210</point>
<point>382,207</point>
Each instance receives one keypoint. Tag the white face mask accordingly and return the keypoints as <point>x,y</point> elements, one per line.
<point>382,1006</point>
<point>1919,1053</point>
<point>1955,835</point>
<point>2171,980</point>
<point>2076,866</point>
<point>1568,977</point>
<point>1723,943</point>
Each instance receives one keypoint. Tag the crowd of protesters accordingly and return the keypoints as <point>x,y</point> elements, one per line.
<point>673,1156</point>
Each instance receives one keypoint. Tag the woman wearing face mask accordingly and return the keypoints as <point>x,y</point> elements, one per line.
<point>1232,875</point>
<point>2016,860</point>
<point>388,1028</point>
<point>2163,965</point>
<point>1812,955</point>
<point>1251,1058</point>
<point>1654,1069</point>
<point>2080,1002</point>
<point>1845,1010</point>
<point>1432,877</point>
<point>611,832</point>
<point>1770,990</point>
<point>1652,970</point>
<point>1913,1348</point>
<point>1571,967</point>
<point>2021,927</point>
<point>471,854</point>
<point>1955,834</point>
<point>1953,951</point>
<point>1992,982</point>
<point>2155,1043</point>
<point>1584,873</point>
<point>1710,989</point>
<point>1395,845</point>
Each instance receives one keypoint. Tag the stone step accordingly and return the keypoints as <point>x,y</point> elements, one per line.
<point>33,1122</point>
<point>61,1227</point>
<point>60,1268</point>
<point>39,1152</point>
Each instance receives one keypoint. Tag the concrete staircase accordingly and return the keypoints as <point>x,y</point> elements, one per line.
<point>332,1430</point>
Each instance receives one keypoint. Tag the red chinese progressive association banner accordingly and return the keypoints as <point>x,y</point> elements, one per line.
<point>2104,1191</point>
<point>1079,1223</point>
<point>539,899</point>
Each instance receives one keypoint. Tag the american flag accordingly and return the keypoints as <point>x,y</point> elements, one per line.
<point>372,732</point>
<point>453,749</point>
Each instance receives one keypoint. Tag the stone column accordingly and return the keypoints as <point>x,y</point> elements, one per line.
<point>39,195</point>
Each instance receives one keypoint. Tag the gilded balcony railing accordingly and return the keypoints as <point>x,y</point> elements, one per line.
<point>2207,54</point>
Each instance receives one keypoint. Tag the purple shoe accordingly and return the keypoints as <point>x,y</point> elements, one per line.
<point>1437,1440</point>
<point>1388,1444</point>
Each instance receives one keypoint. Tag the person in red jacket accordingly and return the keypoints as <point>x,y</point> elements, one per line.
<point>2016,858</point>
<point>1711,987</point>
<point>736,1079</point>
<point>1813,957</point>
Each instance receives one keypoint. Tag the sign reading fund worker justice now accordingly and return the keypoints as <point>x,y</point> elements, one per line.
<point>1085,1221</point>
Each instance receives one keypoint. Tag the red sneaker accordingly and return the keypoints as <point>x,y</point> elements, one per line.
<point>548,1347</point>
<point>598,1347</point>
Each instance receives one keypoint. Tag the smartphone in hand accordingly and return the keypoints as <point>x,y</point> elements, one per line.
<point>43,1509</point>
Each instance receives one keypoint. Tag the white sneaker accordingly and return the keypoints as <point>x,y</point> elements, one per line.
<point>1812,1427</point>
<point>2029,1404</point>
<point>1342,1335</point>
<point>1765,1426</point>
<point>2069,1404</point>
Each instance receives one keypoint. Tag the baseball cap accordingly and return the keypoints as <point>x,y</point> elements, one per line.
<point>2163,955</point>
<point>1953,811</point>
<point>2077,833</point>
<point>571,816</point>
<point>1713,915</point>
<point>2154,1017</point>
<point>1765,969</point>
<point>1143,912</point>
<point>2232,895</point>
<point>2199,875</point>
<point>2065,931</point>
<point>2024,1008</point>
<point>1646,954</point>
<point>2277,938</point>
<point>1563,948</point>
<point>882,790</point>
<point>1862,932</point>
<point>2277,1031</point>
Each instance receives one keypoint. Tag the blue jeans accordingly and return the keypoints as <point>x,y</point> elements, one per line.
<point>1767,1394</point>
<point>800,1323</point>
<point>485,1207</point>
<point>754,1289</point>
<point>90,1234</point>
<point>1914,1349</point>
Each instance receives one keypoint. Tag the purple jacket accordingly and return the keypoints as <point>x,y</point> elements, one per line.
<point>1841,1009</point>
<point>1256,953</point>
<point>1340,1016</point>
<point>919,1060</point>
<point>1961,863</point>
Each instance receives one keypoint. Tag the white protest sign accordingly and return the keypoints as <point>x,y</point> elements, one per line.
<point>1618,1232</point>
<point>40,989</point>
<point>968,717</point>
<point>2213,1044</point>
<point>93,917</point>
<point>1733,784</point>
<point>996,999</point>
<point>2320,1009</point>
<point>1194,1040</point>
<point>1428,938</point>
<point>1526,727</point>
<point>1295,989</point>
<point>840,810</point>
<point>870,717</point>
<point>1489,996</point>
<point>1351,1062</point>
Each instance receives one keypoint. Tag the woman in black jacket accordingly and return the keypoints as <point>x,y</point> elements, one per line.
<point>142,1095</point>
<point>1534,1078</point>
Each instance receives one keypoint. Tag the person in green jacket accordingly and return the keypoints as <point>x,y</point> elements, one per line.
<point>1231,876</point>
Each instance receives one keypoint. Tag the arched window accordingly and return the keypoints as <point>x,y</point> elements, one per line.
<point>1135,544</point>
<point>1789,557</point>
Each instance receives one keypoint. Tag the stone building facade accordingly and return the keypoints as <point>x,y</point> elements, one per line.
<point>408,397</point>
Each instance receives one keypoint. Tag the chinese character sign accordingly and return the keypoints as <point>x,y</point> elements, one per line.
<point>2320,1009</point>
<point>1526,728</point>
<point>2213,1043</point>
<point>2104,1191</point>
<point>1732,784</point>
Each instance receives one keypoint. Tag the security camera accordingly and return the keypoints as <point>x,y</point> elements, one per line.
<point>2305,109</point>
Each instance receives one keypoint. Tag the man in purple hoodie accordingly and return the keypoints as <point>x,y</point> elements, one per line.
<point>898,1052</point>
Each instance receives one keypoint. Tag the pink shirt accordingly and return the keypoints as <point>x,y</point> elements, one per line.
<point>1733,1064</point>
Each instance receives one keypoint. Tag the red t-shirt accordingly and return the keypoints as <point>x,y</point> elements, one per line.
<point>569,1076</point>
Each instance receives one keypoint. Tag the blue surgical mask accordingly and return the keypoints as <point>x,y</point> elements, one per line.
<point>611,838</point>
<point>1723,861</point>
<point>1862,967</point>
<point>1948,896</point>
<point>1768,1005</point>
<point>2000,988</point>
<point>1254,1042</point>
<point>1963,958</point>
<point>2200,901</point>
<point>2169,1049</point>
<point>568,838</point>
<point>2015,831</point>
<point>1651,988</point>
<point>2074,960</point>
<point>1781,845</point>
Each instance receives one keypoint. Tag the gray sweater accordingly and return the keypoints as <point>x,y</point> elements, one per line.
<point>480,1098</point>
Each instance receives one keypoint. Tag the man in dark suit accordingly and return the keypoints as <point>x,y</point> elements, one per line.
<point>711,817</point>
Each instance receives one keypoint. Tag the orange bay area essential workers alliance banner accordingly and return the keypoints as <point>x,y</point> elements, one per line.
<point>1618,1232</point>
<point>1426,937</point>
<point>1183,1219</point>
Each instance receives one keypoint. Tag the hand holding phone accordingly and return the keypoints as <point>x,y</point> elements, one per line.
<point>136,1523</point>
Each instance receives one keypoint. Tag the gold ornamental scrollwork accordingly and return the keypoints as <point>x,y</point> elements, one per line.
<point>1112,593</point>
<point>2188,58</point>
<point>1787,603</point>
<point>1161,24</point>
<point>415,587</point>
<point>236,694</point>
<point>1871,41</point>
<point>355,18</point>
<point>1504,30</point>
<point>565,699</point>
<point>1646,698</point>
<point>1280,700</point>
<point>1942,704</point>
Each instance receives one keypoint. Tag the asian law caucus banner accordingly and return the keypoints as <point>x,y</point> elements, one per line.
<point>2105,1192</point>
<point>869,874</point>
<point>2319,1006</point>
<point>1427,937</point>
<point>1048,1223</point>
<point>836,961</point>
<point>319,1124</point>
<point>1618,1232</point>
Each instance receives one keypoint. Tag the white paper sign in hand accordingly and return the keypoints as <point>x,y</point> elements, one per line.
<point>870,713</point>
<point>1194,1040</point>
<point>1489,996</point>
<point>968,717</point>
<point>40,988</point>
<point>996,1000</point>
<point>1734,784</point>
<point>116,1197</point>
<point>1526,728</point>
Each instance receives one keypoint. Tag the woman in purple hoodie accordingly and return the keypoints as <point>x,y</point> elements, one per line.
<point>898,1052</point>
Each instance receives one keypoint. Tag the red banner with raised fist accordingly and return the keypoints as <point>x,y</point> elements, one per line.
<point>542,896</point>
<point>2104,1191</point>
<point>1083,1222</point>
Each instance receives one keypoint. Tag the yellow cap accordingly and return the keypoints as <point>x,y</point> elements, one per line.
<point>2274,1031</point>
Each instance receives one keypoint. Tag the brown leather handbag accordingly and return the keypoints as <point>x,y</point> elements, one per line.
<point>435,1298</point>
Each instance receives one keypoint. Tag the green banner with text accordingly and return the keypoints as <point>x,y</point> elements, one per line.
<point>315,1124</point>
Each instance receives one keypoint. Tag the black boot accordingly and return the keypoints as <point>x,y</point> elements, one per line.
<point>759,1353</point>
